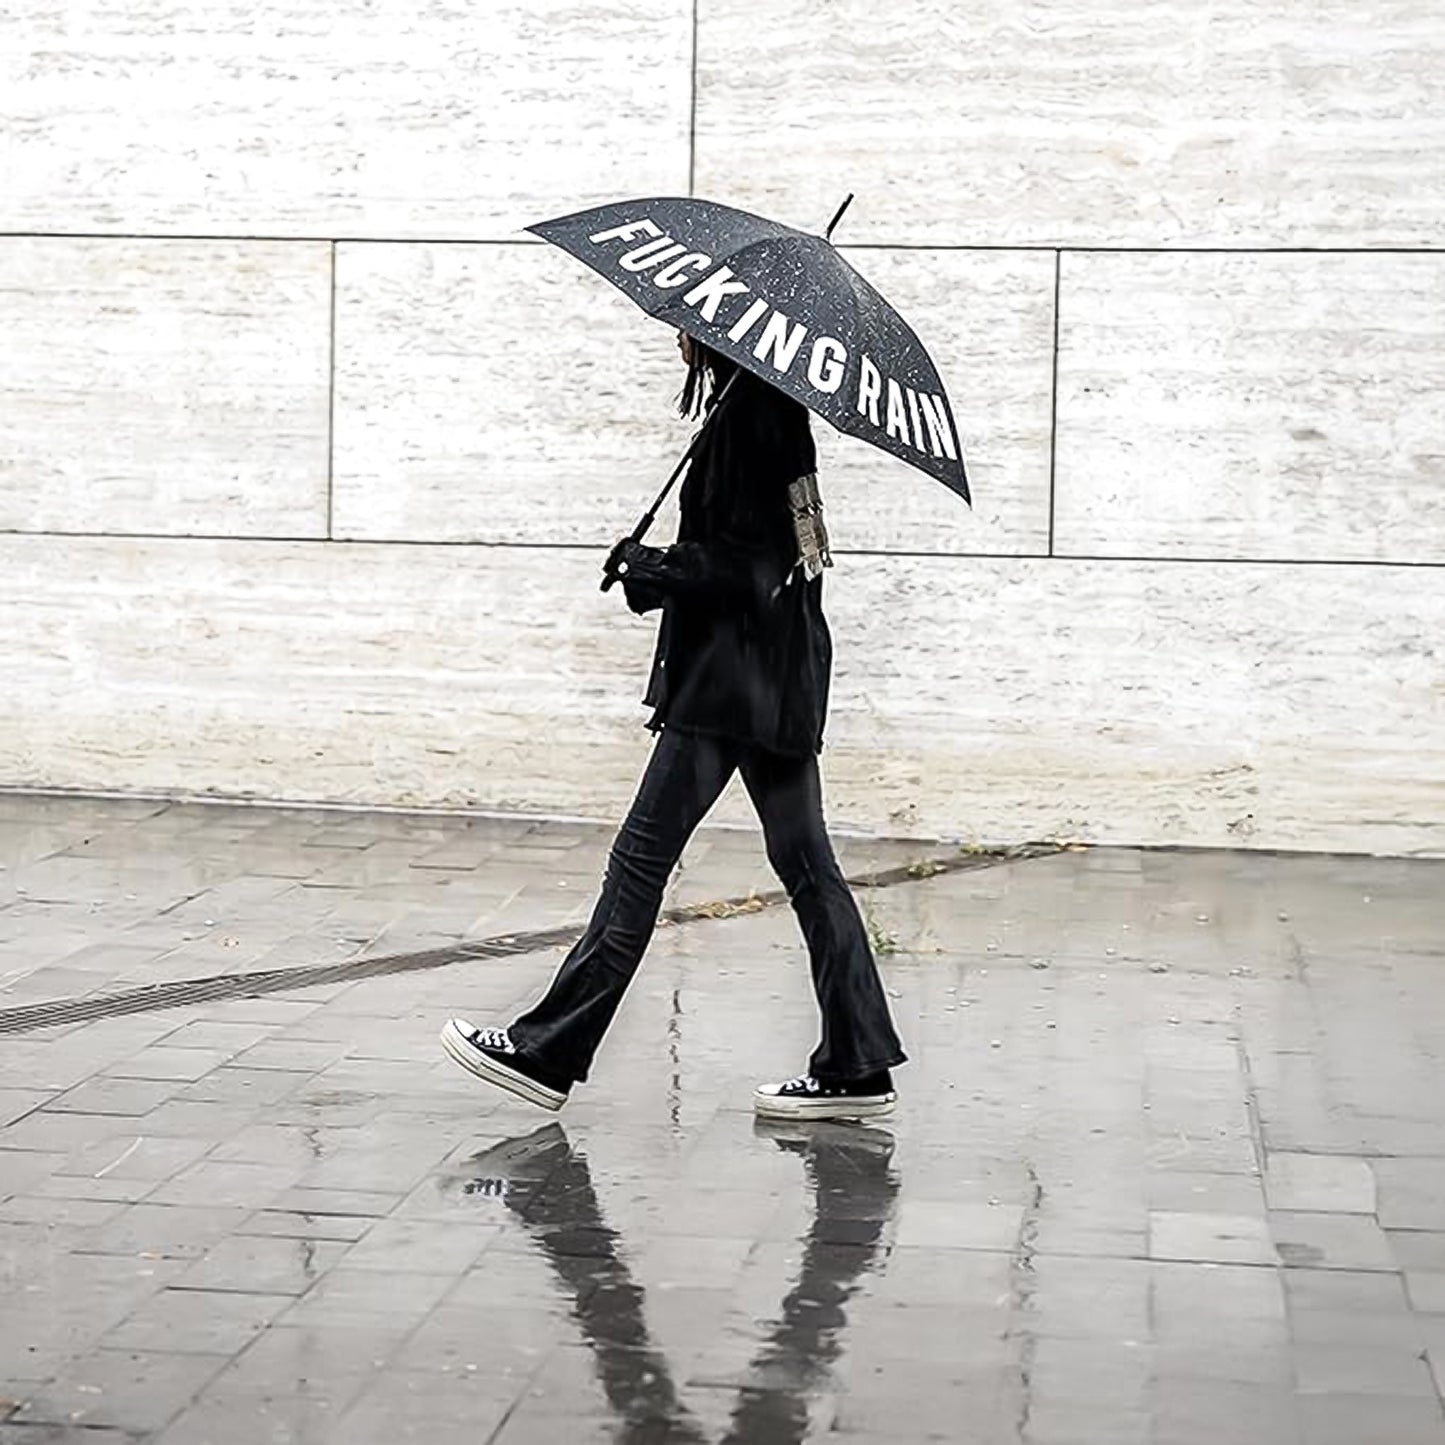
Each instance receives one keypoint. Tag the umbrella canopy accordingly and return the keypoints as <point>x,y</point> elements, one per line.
<point>784,305</point>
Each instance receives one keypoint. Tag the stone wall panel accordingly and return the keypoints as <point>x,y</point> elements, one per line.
<point>164,386</point>
<point>1258,406</point>
<point>296,118</point>
<point>969,122</point>
<point>1006,700</point>
<point>505,394</point>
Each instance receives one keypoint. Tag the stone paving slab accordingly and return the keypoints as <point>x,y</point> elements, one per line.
<point>1167,1169</point>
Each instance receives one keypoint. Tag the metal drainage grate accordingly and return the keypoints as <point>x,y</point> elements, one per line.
<point>181,992</point>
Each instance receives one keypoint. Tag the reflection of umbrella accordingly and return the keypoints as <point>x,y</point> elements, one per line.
<point>783,305</point>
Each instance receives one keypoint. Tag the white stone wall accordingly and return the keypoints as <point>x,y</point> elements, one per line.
<point>308,458</point>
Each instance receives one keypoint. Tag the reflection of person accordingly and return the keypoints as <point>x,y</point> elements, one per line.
<point>739,684</point>
<point>547,1184</point>
<point>854,1190</point>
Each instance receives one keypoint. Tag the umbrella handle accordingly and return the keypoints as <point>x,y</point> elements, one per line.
<point>650,516</point>
<point>640,530</point>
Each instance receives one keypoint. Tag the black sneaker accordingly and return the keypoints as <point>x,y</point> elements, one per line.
<point>489,1054</point>
<point>807,1097</point>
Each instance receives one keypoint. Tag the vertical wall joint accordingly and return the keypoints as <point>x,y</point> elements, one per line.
<point>1054,398</point>
<point>331,406</point>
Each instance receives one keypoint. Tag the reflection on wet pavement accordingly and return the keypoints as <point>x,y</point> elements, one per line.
<point>854,1189</point>
<point>545,1182</point>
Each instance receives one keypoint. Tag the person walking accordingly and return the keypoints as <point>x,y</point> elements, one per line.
<point>739,683</point>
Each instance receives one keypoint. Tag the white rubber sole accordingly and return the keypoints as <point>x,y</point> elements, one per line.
<point>870,1106</point>
<point>493,1071</point>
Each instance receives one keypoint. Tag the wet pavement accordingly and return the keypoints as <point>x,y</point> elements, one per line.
<point>1168,1166</point>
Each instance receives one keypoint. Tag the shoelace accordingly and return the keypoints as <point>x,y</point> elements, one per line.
<point>494,1039</point>
<point>803,1084</point>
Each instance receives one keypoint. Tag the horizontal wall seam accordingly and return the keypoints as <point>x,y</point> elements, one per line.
<point>1041,246</point>
<point>860,552</point>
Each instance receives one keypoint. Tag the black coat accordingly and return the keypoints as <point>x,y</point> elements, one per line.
<point>744,650</point>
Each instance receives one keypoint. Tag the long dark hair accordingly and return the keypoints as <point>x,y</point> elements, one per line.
<point>756,435</point>
<point>707,373</point>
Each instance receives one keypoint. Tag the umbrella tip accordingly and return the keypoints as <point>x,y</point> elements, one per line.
<point>838,216</point>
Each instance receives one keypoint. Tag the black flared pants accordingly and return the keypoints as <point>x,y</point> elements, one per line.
<point>684,778</point>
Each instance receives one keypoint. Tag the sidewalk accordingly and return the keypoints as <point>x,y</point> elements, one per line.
<point>1168,1167</point>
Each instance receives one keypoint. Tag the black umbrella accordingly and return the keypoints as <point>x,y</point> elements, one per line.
<point>782,304</point>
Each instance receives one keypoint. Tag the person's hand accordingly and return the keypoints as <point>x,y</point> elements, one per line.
<point>612,567</point>
<point>630,558</point>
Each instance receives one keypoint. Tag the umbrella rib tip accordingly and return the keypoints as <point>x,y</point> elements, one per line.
<point>838,216</point>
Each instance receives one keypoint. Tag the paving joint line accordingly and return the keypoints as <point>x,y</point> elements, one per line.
<point>179,993</point>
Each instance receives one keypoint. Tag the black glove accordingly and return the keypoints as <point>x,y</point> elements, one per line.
<point>626,563</point>
<point>632,559</point>
<point>610,568</point>
<point>639,558</point>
